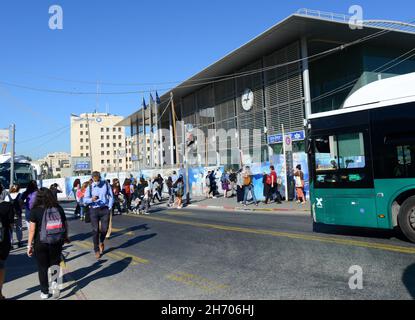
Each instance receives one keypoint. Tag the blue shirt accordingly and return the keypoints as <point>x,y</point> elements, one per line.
<point>103,192</point>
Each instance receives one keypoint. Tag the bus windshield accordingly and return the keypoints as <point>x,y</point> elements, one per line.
<point>338,158</point>
<point>22,176</point>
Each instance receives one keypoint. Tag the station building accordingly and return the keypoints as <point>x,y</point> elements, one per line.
<point>310,62</point>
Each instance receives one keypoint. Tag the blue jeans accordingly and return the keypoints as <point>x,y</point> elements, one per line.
<point>247,190</point>
<point>82,211</point>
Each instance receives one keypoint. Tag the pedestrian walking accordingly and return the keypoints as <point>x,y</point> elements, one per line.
<point>119,198</point>
<point>127,192</point>
<point>240,191</point>
<point>212,184</point>
<point>55,188</point>
<point>47,235</point>
<point>208,186</point>
<point>160,189</point>
<point>248,185</point>
<point>272,186</point>
<point>169,184</point>
<point>225,184</point>
<point>29,197</point>
<point>80,195</point>
<point>100,199</point>
<point>233,180</point>
<point>75,188</point>
<point>179,187</point>
<point>15,198</point>
<point>299,184</point>
<point>266,181</point>
<point>6,227</point>
<point>155,192</point>
<point>146,202</point>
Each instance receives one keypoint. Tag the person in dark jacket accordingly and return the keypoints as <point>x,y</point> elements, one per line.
<point>6,227</point>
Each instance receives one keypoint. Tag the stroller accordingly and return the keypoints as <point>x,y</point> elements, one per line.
<point>139,204</point>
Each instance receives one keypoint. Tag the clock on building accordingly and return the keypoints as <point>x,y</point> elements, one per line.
<point>247,99</point>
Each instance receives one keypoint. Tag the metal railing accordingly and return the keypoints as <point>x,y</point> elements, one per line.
<point>382,24</point>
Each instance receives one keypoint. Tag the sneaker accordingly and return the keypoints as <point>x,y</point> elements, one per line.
<point>44,296</point>
<point>146,213</point>
<point>56,292</point>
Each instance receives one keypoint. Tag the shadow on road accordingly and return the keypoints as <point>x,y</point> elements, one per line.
<point>133,242</point>
<point>408,279</point>
<point>19,266</point>
<point>82,280</point>
<point>143,227</point>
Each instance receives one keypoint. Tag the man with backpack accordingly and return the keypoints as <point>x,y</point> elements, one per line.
<point>100,199</point>
<point>248,185</point>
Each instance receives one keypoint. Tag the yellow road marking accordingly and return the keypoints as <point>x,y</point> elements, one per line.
<point>119,255</point>
<point>195,281</point>
<point>122,231</point>
<point>177,213</point>
<point>356,243</point>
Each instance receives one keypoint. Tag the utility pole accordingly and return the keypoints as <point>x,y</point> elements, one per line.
<point>13,145</point>
<point>285,162</point>
<point>174,125</point>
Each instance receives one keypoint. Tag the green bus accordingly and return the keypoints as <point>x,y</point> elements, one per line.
<point>362,159</point>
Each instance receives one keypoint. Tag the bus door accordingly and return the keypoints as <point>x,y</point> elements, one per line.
<point>343,179</point>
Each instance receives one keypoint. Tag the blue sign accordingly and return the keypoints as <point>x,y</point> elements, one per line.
<point>80,166</point>
<point>295,136</point>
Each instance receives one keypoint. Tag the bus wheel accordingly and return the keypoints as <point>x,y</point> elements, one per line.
<point>406,218</point>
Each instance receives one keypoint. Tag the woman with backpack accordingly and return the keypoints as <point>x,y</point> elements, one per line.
<point>15,198</point>
<point>225,184</point>
<point>266,181</point>
<point>299,185</point>
<point>47,235</point>
<point>169,185</point>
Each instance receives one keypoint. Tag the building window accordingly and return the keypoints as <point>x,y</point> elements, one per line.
<point>102,137</point>
<point>108,145</point>
<point>108,129</point>
<point>81,125</point>
<point>86,140</point>
<point>82,140</point>
<point>82,154</point>
<point>108,161</point>
<point>102,161</point>
<point>87,148</point>
<point>120,137</point>
<point>102,153</point>
<point>108,153</point>
<point>120,145</point>
<point>114,145</point>
<point>102,145</point>
<point>87,155</point>
<point>102,129</point>
<point>119,129</point>
<point>108,137</point>
<point>120,161</point>
<point>82,133</point>
<point>114,129</point>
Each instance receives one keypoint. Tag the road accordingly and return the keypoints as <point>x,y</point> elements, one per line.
<point>204,254</point>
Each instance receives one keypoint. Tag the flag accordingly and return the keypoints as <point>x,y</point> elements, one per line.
<point>151,99</point>
<point>144,106</point>
<point>157,98</point>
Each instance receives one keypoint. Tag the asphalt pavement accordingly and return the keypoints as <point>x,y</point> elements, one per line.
<point>198,253</point>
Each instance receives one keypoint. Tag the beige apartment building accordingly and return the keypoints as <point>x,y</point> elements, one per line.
<point>95,135</point>
<point>58,163</point>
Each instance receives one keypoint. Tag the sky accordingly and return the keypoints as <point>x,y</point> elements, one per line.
<point>126,45</point>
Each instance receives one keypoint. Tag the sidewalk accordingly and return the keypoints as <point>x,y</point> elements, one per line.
<point>230,204</point>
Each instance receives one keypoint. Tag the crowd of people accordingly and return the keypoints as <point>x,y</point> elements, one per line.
<point>241,184</point>
<point>97,201</point>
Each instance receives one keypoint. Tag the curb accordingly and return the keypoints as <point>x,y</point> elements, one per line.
<point>228,208</point>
